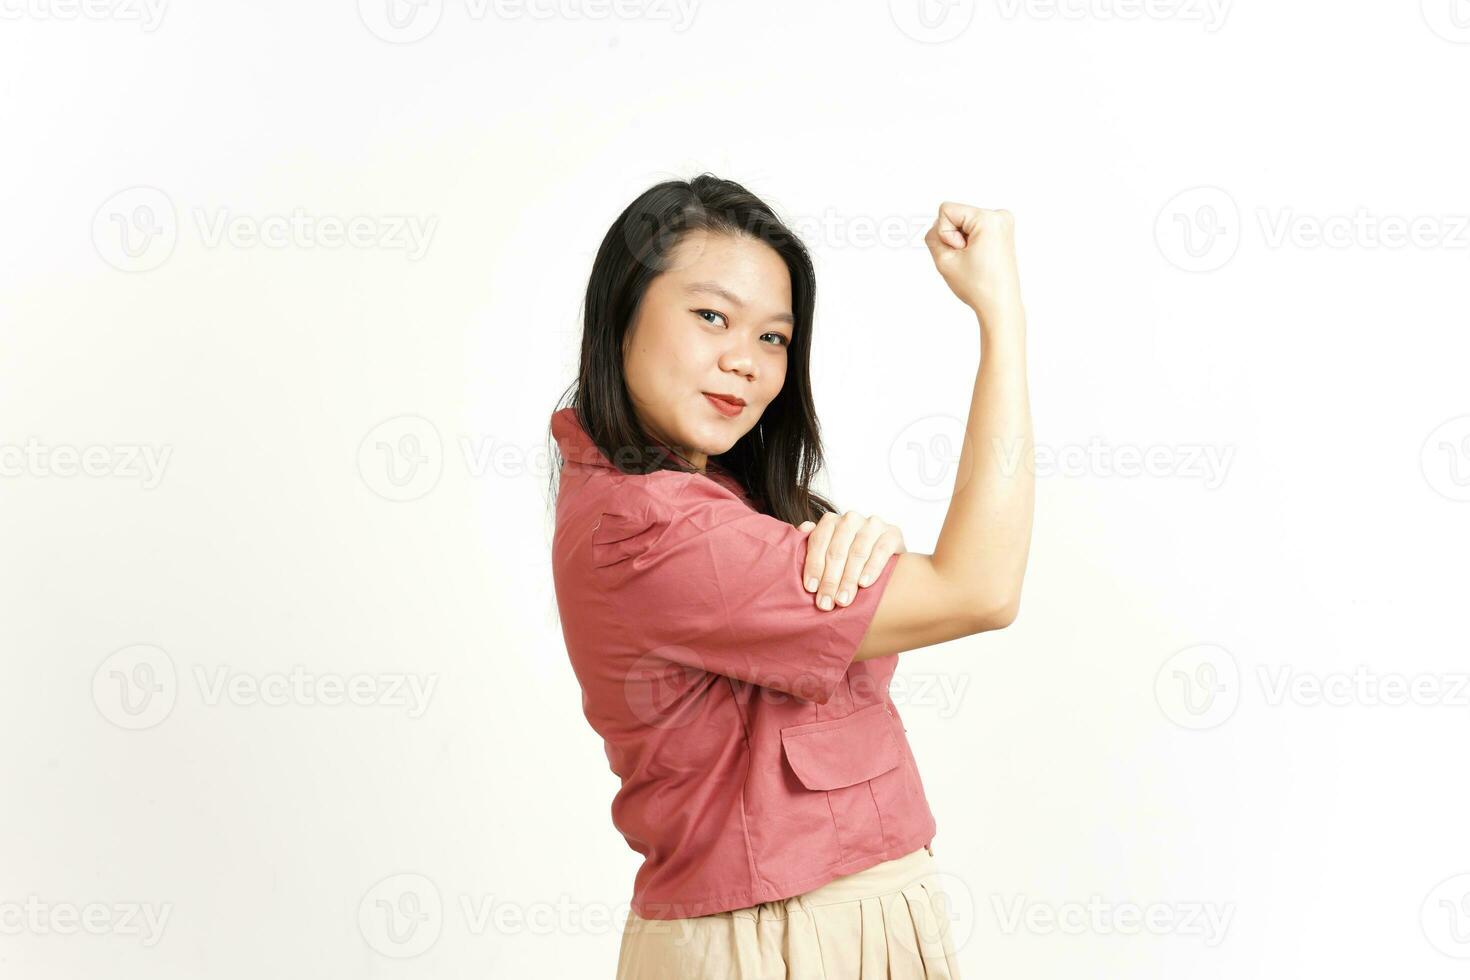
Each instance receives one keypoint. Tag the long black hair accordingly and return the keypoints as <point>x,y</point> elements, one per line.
<point>775,461</point>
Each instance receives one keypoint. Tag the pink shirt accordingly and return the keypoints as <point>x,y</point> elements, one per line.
<point>757,760</point>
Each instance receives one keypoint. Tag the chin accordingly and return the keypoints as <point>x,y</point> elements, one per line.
<point>710,446</point>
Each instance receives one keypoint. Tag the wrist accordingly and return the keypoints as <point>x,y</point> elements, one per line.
<point>1000,315</point>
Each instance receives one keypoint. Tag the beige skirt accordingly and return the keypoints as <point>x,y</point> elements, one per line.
<point>887,922</point>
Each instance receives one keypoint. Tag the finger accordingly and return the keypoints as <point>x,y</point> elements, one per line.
<point>943,236</point>
<point>932,239</point>
<point>816,553</point>
<point>843,531</point>
<point>858,556</point>
<point>889,543</point>
<point>956,223</point>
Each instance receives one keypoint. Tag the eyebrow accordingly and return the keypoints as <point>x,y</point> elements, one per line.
<point>718,290</point>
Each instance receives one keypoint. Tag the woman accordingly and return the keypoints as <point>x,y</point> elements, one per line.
<point>733,636</point>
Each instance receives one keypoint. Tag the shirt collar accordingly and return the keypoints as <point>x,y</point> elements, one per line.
<point>575,444</point>
<point>577,447</point>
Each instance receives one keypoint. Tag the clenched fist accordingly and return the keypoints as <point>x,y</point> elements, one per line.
<point>974,249</point>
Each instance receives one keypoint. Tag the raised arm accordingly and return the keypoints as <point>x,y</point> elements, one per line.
<point>972,581</point>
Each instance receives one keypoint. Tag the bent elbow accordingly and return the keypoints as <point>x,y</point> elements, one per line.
<point>999,615</point>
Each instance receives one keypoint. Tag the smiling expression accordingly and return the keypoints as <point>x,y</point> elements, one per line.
<point>717,322</point>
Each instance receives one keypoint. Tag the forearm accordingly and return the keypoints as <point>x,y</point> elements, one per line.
<point>985,541</point>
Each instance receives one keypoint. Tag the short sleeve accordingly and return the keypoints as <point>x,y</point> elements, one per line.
<point>713,585</point>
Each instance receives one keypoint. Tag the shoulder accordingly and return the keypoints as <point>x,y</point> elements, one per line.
<point>661,495</point>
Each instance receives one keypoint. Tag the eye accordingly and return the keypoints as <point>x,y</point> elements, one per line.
<point>781,340</point>
<point>711,313</point>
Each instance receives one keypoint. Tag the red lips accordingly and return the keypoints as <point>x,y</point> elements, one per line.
<point>727,405</point>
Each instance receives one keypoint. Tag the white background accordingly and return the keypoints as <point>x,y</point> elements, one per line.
<point>350,468</point>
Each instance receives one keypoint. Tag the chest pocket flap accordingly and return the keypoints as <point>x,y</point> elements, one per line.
<point>842,751</point>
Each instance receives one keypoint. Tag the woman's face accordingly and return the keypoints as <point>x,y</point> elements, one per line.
<point>716,322</point>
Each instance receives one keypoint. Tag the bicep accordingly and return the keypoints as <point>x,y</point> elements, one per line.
<point>920,608</point>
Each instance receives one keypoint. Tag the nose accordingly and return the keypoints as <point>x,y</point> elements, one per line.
<point>739,358</point>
